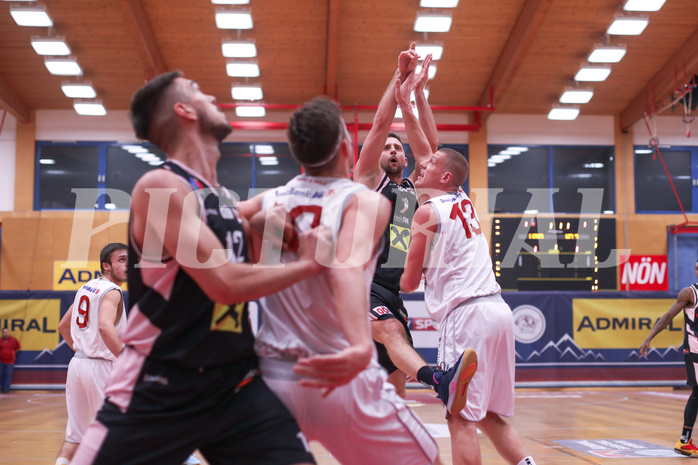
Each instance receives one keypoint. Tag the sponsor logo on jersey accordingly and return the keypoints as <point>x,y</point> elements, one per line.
<point>399,237</point>
<point>228,317</point>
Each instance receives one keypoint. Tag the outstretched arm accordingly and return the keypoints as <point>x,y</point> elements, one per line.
<point>364,220</point>
<point>367,170</point>
<point>166,220</point>
<point>422,235</point>
<point>684,299</point>
<point>418,141</point>
<point>426,118</point>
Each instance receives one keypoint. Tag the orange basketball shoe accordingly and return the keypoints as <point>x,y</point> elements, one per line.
<point>687,449</point>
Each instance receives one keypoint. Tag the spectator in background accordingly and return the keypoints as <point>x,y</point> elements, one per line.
<point>9,346</point>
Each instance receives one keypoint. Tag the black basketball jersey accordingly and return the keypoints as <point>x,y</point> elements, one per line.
<point>391,262</point>
<point>172,319</point>
<point>689,313</point>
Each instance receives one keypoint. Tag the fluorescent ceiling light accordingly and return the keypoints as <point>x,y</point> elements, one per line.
<point>247,93</point>
<point>566,113</point>
<point>430,74</point>
<point>607,53</point>
<point>233,19</point>
<point>429,22</point>
<point>90,108</point>
<point>398,112</point>
<point>269,161</point>
<point>643,151</point>
<point>78,90</point>
<point>518,149</point>
<point>500,157</point>
<point>593,165</point>
<point>63,66</point>
<point>628,25</point>
<point>31,16</point>
<point>576,95</point>
<point>436,50</point>
<point>55,46</point>
<point>593,73</point>
<point>263,149</point>
<point>414,99</point>
<point>239,49</point>
<point>134,148</point>
<point>230,2</point>
<point>250,112</point>
<point>643,5</point>
<point>242,69</point>
<point>491,165</point>
<point>509,152</point>
<point>438,3</point>
<point>47,161</point>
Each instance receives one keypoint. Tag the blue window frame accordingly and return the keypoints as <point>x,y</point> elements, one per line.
<point>654,192</point>
<point>546,179</point>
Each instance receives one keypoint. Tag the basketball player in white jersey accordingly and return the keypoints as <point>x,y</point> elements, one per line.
<point>380,167</point>
<point>461,293</point>
<point>687,300</point>
<point>360,419</point>
<point>92,327</point>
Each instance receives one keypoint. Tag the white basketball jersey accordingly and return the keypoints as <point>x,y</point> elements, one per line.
<point>459,265</point>
<point>84,327</point>
<point>301,320</point>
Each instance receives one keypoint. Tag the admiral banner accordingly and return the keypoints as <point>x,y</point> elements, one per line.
<point>69,276</point>
<point>33,322</point>
<point>621,323</point>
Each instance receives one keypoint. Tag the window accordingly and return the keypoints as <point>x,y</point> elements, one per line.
<point>550,179</point>
<point>111,170</point>
<point>654,192</point>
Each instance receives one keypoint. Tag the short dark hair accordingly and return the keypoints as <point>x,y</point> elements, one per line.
<point>392,134</point>
<point>107,251</point>
<point>146,101</point>
<point>455,163</point>
<point>313,131</point>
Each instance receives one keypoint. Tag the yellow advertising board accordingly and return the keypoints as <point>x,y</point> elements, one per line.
<point>623,323</point>
<point>68,276</point>
<point>33,322</point>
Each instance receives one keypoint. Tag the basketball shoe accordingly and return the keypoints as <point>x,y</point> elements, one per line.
<point>687,448</point>
<point>452,385</point>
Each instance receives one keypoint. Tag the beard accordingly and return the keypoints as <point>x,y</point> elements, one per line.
<point>389,169</point>
<point>218,129</point>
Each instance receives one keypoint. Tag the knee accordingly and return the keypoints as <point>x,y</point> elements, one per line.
<point>385,331</point>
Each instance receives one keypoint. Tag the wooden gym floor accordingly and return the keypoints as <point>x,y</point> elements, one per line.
<point>626,423</point>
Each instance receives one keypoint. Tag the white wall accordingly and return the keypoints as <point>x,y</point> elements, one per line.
<point>8,144</point>
<point>538,129</point>
<point>670,130</point>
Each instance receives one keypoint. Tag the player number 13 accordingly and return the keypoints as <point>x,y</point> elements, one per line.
<point>466,213</point>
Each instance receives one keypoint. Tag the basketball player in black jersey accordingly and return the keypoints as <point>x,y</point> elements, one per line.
<point>687,300</point>
<point>380,167</point>
<point>187,377</point>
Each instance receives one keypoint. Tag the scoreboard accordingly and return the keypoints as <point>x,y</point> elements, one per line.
<point>555,253</point>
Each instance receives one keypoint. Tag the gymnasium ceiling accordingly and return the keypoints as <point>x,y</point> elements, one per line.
<point>526,51</point>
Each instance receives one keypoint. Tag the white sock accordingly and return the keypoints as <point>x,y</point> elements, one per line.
<point>527,461</point>
<point>62,461</point>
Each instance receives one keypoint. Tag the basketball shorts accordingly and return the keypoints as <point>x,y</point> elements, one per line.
<point>364,422</point>
<point>159,412</point>
<point>386,304</point>
<point>84,393</point>
<point>487,325</point>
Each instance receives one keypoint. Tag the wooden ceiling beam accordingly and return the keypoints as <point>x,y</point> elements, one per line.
<point>13,102</point>
<point>663,83</point>
<point>522,34</point>
<point>333,7</point>
<point>136,18</point>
